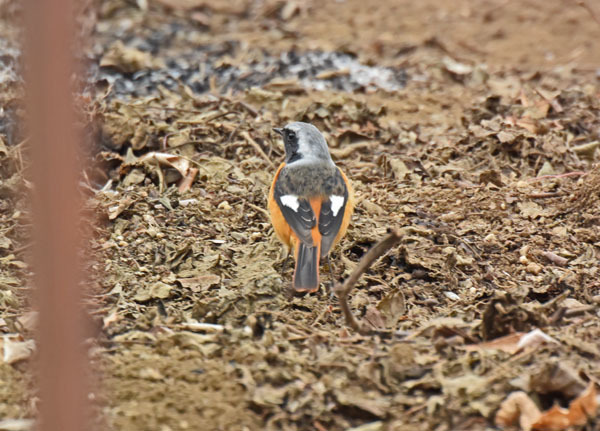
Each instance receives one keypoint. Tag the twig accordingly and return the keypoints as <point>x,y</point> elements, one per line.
<point>342,291</point>
<point>591,11</point>
<point>204,120</point>
<point>568,174</point>
<point>250,109</point>
<point>259,209</point>
<point>543,195</point>
<point>554,258</point>
<point>577,311</point>
<point>164,108</point>
<point>259,150</point>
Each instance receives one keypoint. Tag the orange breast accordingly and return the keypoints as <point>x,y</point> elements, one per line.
<point>281,227</point>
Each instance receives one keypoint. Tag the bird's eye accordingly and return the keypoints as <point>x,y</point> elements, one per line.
<point>291,135</point>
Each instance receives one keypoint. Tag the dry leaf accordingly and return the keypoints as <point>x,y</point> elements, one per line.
<point>158,290</point>
<point>186,182</point>
<point>514,343</point>
<point>5,242</point>
<point>201,282</point>
<point>15,349</point>
<point>399,169</point>
<point>128,59</point>
<point>184,4</point>
<point>518,407</point>
<point>392,307</point>
<point>532,210</point>
<point>528,124</point>
<point>374,317</point>
<point>16,424</point>
<point>135,176</point>
<point>290,9</point>
<point>29,320</point>
<point>3,148</point>
<point>115,210</point>
<point>455,67</point>
<point>578,413</point>
<point>181,164</point>
<point>110,319</point>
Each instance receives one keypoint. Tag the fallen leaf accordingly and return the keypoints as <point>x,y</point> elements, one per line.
<point>516,342</point>
<point>556,376</point>
<point>586,150</point>
<point>546,169</point>
<point>111,318</point>
<point>532,210</point>
<point>150,373</point>
<point>399,168</point>
<point>528,124</point>
<point>183,4</point>
<point>181,164</point>
<point>518,407</point>
<point>16,424</point>
<point>5,242</point>
<point>334,73</point>
<point>363,400</point>
<point>200,283</point>
<point>16,349</point>
<point>580,410</point>
<point>371,426</point>
<point>375,318</point>
<point>135,176</point>
<point>455,67</point>
<point>3,148</point>
<point>128,59</point>
<point>186,182</point>
<point>116,210</point>
<point>290,9</point>
<point>392,307</point>
<point>29,320</point>
<point>158,290</point>
<point>269,396</point>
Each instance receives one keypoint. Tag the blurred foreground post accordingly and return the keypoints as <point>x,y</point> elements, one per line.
<point>55,143</point>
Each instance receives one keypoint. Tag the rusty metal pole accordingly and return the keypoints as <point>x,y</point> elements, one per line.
<point>55,144</point>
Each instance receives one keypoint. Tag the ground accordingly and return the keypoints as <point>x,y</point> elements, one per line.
<point>470,126</point>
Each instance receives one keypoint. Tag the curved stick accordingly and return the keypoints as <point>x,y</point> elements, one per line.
<point>342,290</point>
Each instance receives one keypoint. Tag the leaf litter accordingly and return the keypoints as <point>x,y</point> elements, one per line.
<point>487,308</point>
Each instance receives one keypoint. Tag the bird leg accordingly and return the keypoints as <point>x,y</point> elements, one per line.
<point>332,280</point>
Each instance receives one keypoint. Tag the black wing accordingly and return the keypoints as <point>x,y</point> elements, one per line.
<point>329,224</point>
<point>301,219</point>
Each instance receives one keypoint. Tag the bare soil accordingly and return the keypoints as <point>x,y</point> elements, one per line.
<point>483,155</point>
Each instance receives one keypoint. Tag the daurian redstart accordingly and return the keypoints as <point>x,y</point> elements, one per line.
<point>310,201</point>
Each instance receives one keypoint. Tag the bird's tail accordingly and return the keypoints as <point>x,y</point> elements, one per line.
<point>306,273</point>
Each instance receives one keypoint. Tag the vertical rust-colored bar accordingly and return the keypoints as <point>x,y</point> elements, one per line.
<point>55,143</point>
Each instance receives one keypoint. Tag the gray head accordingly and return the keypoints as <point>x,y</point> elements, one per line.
<point>303,141</point>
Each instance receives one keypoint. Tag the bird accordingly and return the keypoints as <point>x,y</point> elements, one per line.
<point>310,201</point>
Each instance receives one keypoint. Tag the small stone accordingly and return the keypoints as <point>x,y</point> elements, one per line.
<point>490,239</point>
<point>533,268</point>
<point>224,206</point>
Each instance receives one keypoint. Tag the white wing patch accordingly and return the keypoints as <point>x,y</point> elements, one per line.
<point>337,202</point>
<point>290,201</point>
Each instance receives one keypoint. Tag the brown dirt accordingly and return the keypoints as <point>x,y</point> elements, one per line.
<point>467,159</point>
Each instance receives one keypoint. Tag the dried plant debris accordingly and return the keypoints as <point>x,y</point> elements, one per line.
<point>518,407</point>
<point>486,312</point>
<point>132,72</point>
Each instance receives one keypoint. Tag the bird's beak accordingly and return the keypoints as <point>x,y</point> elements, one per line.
<point>278,131</point>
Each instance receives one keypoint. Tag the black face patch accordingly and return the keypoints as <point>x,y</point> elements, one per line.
<point>290,142</point>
